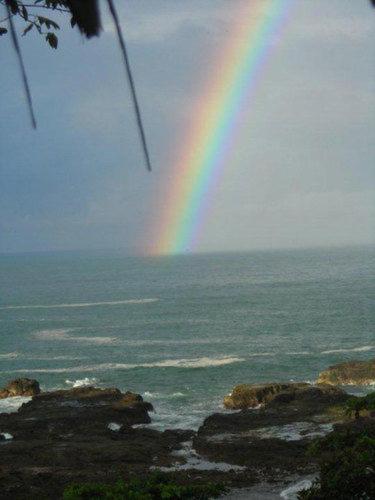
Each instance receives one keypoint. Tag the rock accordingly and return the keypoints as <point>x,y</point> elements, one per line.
<point>81,434</point>
<point>349,373</point>
<point>132,400</point>
<point>272,439</point>
<point>20,387</point>
<point>251,395</point>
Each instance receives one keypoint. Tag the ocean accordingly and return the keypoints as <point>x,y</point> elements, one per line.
<point>183,330</point>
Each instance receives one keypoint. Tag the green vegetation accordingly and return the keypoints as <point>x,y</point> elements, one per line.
<point>346,458</point>
<point>156,487</point>
<point>354,406</point>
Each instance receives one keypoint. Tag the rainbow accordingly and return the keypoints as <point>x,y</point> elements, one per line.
<point>200,164</point>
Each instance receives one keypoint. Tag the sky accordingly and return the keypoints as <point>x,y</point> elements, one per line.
<point>301,171</point>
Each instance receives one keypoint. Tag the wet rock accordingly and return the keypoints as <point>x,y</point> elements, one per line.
<point>349,373</point>
<point>81,434</point>
<point>273,439</point>
<point>20,387</point>
<point>252,395</point>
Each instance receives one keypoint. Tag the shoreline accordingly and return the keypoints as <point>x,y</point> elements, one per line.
<point>87,434</point>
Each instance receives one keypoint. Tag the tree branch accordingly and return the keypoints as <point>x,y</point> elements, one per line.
<point>129,75</point>
<point>22,66</point>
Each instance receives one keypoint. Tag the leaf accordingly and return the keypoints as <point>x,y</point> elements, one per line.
<point>53,24</point>
<point>27,29</point>
<point>52,40</point>
<point>3,31</point>
<point>13,5</point>
<point>25,15</point>
<point>73,22</point>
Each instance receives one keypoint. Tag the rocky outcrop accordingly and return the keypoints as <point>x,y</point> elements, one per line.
<point>272,440</point>
<point>81,434</point>
<point>349,373</point>
<point>20,387</point>
<point>252,395</point>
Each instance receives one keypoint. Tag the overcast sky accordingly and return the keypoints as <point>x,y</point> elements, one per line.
<point>302,170</point>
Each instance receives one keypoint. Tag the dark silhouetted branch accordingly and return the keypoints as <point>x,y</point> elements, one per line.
<point>129,75</point>
<point>22,66</point>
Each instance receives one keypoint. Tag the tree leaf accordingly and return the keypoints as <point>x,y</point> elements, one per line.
<point>27,29</point>
<point>25,15</point>
<point>3,31</point>
<point>13,5</point>
<point>52,40</point>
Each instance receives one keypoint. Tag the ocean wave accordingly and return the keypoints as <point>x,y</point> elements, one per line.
<point>11,405</point>
<point>84,382</point>
<point>291,492</point>
<point>64,335</point>
<point>364,348</point>
<point>9,355</point>
<point>148,394</point>
<point>299,353</point>
<point>260,354</point>
<point>204,362</point>
<point>192,460</point>
<point>54,334</point>
<point>83,304</point>
<point>166,342</point>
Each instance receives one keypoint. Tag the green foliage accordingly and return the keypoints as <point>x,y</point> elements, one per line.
<point>156,487</point>
<point>357,405</point>
<point>29,15</point>
<point>347,464</point>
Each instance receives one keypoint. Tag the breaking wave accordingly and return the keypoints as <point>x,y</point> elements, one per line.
<point>84,382</point>
<point>83,304</point>
<point>204,362</point>
<point>64,335</point>
<point>9,355</point>
<point>364,348</point>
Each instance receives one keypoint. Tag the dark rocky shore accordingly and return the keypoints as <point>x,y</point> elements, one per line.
<point>90,434</point>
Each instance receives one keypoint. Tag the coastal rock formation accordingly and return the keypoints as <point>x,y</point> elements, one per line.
<point>20,387</point>
<point>274,437</point>
<point>87,434</point>
<point>252,395</point>
<point>349,373</point>
<point>80,434</point>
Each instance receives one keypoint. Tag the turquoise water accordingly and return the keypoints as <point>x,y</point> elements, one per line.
<point>183,330</point>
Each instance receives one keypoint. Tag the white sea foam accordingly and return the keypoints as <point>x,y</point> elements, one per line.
<point>287,432</point>
<point>38,357</point>
<point>193,341</point>
<point>83,304</point>
<point>9,355</point>
<point>84,382</point>
<point>291,493</point>
<point>54,334</point>
<point>363,348</point>
<point>204,362</point>
<point>11,405</point>
<point>112,426</point>
<point>63,334</point>
<point>191,460</point>
<point>260,354</point>
<point>299,353</point>
<point>6,436</point>
<point>148,394</point>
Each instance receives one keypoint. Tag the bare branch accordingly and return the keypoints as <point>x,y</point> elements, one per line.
<point>129,75</point>
<point>22,66</point>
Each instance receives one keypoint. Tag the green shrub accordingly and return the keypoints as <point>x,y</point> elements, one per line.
<point>156,487</point>
<point>347,464</point>
<point>357,405</point>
